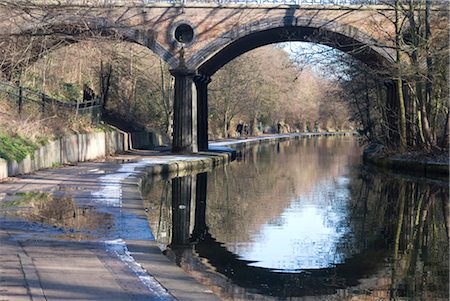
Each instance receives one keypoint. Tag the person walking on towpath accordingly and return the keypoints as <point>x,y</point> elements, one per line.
<point>239,129</point>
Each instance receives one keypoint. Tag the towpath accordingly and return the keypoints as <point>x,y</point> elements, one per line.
<point>42,262</point>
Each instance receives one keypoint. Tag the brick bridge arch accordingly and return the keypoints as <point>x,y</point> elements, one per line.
<point>221,33</point>
<point>219,52</point>
<point>289,29</point>
<point>201,60</point>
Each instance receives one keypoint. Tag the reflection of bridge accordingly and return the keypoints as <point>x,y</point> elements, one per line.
<point>308,282</point>
<point>191,241</point>
<point>196,39</point>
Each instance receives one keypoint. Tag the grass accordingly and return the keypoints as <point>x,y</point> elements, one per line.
<point>56,165</point>
<point>21,135</point>
<point>27,199</point>
<point>16,144</point>
<point>103,127</point>
<point>15,148</point>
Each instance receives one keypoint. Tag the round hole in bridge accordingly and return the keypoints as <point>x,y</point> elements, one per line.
<point>184,33</point>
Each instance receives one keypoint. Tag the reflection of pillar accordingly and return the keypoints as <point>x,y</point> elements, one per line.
<point>200,227</point>
<point>181,204</point>
<point>201,82</point>
<point>185,111</point>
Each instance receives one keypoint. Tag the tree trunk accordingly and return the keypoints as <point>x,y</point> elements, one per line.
<point>166,96</point>
<point>105,82</point>
<point>368,101</point>
<point>429,83</point>
<point>399,80</point>
<point>225,125</point>
<point>446,138</point>
<point>254,126</point>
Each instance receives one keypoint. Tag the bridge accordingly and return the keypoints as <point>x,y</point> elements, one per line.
<point>197,38</point>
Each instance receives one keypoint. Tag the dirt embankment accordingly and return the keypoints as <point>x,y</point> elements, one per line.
<point>421,163</point>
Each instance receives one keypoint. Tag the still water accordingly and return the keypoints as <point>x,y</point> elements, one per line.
<point>305,220</point>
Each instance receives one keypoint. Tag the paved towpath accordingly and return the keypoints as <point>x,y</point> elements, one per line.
<point>39,262</point>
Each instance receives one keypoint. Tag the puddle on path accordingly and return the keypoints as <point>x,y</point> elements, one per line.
<point>62,213</point>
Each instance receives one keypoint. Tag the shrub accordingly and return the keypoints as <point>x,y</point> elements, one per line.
<point>71,91</point>
<point>15,148</point>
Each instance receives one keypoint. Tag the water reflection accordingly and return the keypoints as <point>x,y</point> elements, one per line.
<point>62,213</point>
<point>307,235</point>
<point>303,218</point>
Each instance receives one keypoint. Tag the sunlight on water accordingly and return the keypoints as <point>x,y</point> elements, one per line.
<point>306,236</point>
<point>305,220</point>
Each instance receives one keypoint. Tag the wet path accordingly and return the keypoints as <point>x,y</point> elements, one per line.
<point>48,261</point>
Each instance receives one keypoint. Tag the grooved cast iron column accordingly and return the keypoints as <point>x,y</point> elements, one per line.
<point>201,82</point>
<point>185,111</point>
<point>181,205</point>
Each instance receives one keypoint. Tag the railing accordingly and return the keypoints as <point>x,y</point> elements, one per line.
<point>275,2</point>
<point>22,96</point>
<point>227,2</point>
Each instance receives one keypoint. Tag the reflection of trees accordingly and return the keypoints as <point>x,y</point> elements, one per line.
<point>409,216</point>
<point>422,255</point>
<point>62,212</point>
<point>398,225</point>
<point>158,202</point>
<point>261,185</point>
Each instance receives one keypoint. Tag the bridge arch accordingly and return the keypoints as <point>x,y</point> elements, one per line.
<point>69,31</point>
<point>239,40</point>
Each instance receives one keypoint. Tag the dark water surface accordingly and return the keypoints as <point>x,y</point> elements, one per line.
<point>305,220</point>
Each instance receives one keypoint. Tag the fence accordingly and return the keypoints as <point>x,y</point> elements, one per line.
<point>277,2</point>
<point>250,2</point>
<point>23,96</point>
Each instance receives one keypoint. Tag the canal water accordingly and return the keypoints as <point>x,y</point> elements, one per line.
<point>306,220</point>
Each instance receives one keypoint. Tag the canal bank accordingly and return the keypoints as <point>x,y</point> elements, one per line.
<point>415,164</point>
<point>42,262</point>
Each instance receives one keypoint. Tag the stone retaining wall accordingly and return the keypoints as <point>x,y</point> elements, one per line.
<point>422,168</point>
<point>77,148</point>
<point>145,139</point>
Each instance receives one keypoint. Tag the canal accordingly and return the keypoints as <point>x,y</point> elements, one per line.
<point>306,220</point>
